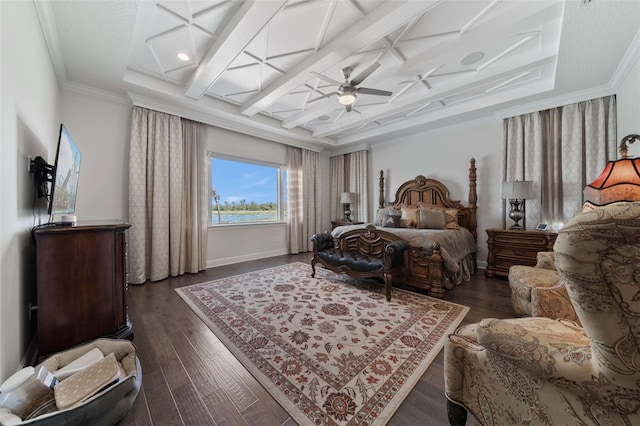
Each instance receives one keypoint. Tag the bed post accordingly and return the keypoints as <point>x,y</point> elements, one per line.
<point>381,191</point>
<point>473,199</point>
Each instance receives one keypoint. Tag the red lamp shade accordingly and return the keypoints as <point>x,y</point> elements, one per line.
<point>619,181</point>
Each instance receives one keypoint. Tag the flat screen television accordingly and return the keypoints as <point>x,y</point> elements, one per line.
<point>66,170</point>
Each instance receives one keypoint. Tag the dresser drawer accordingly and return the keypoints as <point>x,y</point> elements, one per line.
<point>507,262</point>
<point>521,239</point>
<point>526,254</point>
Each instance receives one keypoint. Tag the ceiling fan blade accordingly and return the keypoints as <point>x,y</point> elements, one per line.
<point>348,107</point>
<point>327,79</point>
<point>368,91</point>
<point>366,73</point>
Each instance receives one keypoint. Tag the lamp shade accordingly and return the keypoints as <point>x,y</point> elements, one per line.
<point>348,197</point>
<point>518,190</point>
<point>619,181</point>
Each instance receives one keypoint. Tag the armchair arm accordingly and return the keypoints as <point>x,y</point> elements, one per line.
<point>394,253</point>
<point>322,242</point>
<point>542,347</point>
<point>546,260</point>
<point>552,302</point>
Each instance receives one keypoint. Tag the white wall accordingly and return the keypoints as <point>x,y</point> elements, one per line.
<point>29,127</point>
<point>100,128</point>
<point>444,155</point>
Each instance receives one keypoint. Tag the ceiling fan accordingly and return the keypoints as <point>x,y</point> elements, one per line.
<point>348,92</point>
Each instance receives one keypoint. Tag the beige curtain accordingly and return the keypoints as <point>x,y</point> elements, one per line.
<point>561,150</point>
<point>303,178</point>
<point>193,239</point>
<point>161,197</point>
<point>349,173</point>
<point>358,179</point>
<point>337,176</point>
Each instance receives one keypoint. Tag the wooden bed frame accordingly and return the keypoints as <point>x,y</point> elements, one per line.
<point>427,272</point>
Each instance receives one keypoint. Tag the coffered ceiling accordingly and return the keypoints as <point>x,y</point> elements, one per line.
<point>272,67</point>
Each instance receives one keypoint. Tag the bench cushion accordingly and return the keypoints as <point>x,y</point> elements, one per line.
<point>355,261</point>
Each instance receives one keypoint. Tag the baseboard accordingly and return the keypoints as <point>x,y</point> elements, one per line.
<point>482,264</point>
<point>245,258</point>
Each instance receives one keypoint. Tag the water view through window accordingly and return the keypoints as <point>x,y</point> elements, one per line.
<point>243,192</point>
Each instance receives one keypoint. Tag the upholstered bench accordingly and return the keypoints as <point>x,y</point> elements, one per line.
<point>363,253</point>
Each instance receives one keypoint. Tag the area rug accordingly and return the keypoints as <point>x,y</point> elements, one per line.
<point>331,350</point>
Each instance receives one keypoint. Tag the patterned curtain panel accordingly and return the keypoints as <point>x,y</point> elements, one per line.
<point>336,174</point>
<point>303,174</point>
<point>561,150</point>
<point>157,200</point>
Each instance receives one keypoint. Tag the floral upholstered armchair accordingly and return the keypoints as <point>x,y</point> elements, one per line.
<point>537,291</point>
<point>541,371</point>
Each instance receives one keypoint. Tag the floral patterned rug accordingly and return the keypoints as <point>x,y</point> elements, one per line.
<point>331,350</point>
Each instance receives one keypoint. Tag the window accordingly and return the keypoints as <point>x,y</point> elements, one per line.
<point>246,192</point>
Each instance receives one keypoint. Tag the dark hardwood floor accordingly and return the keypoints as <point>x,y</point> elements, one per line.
<point>190,378</point>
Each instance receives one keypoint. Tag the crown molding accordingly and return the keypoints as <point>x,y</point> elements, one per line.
<point>347,150</point>
<point>556,101</point>
<point>631,56</point>
<point>44,10</point>
<point>207,118</point>
<point>97,93</point>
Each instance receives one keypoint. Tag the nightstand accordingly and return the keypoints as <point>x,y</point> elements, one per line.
<point>341,222</point>
<point>509,247</point>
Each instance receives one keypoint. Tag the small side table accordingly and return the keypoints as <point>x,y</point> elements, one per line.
<point>509,247</point>
<point>342,222</point>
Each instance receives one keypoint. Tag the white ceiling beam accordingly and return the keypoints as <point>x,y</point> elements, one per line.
<point>380,22</point>
<point>415,101</point>
<point>241,29</point>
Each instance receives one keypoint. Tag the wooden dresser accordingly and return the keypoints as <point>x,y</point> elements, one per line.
<point>511,247</point>
<point>81,284</point>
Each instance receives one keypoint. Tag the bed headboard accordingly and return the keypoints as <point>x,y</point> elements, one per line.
<point>434,192</point>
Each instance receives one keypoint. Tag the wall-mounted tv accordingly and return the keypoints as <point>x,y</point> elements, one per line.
<point>66,170</point>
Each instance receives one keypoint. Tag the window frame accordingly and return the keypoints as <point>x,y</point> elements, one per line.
<point>281,193</point>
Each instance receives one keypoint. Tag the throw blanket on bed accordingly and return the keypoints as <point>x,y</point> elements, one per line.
<point>455,245</point>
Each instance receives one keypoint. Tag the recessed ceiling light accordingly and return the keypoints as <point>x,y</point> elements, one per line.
<point>183,56</point>
<point>472,58</point>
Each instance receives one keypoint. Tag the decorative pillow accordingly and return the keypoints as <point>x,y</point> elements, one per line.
<point>391,221</point>
<point>409,217</point>
<point>431,219</point>
<point>381,213</point>
<point>451,219</point>
<point>450,215</point>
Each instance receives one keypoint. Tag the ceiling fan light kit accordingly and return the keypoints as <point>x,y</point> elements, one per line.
<point>347,95</point>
